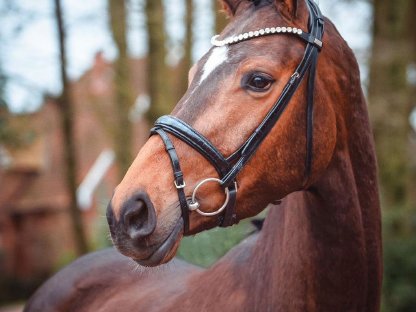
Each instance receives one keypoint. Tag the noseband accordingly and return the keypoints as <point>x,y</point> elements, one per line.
<point>228,168</point>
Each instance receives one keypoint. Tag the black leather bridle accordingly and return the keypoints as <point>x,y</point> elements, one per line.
<point>229,167</point>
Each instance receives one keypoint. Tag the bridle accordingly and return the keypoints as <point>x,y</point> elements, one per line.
<point>228,168</point>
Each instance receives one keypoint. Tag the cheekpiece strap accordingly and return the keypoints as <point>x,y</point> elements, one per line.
<point>178,177</point>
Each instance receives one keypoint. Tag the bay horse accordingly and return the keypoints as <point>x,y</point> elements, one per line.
<point>280,97</point>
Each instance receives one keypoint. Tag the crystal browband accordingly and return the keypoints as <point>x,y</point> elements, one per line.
<point>265,32</point>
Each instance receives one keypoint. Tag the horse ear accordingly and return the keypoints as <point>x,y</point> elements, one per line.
<point>229,6</point>
<point>288,8</point>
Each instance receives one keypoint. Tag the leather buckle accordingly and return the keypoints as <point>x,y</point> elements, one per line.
<point>318,42</point>
<point>179,186</point>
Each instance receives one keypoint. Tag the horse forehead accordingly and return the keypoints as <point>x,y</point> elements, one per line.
<point>250,20</point>
<point>217,57</point>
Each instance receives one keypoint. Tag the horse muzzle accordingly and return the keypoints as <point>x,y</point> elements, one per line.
<point>135,234</point>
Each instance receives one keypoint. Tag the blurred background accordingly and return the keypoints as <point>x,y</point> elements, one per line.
<point>82,81</point>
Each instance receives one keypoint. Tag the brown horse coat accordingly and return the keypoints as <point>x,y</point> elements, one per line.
<point>320,250</point>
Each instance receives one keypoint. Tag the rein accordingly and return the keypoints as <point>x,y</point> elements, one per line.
<point>228,168</point>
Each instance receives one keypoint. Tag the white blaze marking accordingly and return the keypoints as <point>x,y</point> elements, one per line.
<point>218,56</point>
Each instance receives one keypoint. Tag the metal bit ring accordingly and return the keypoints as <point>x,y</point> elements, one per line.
<point>194,205</point>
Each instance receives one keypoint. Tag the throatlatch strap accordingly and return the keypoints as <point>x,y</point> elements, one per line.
<point>230,217</point>
<point>309,121</point>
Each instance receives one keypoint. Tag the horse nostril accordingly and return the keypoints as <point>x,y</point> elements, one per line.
<point>110,219</point>
<point>135,218</point>
<point>139,217</point>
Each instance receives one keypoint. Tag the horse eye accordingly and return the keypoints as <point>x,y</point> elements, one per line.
<point>258,82</point>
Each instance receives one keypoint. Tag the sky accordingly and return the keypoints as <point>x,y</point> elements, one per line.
<point>29,52</point>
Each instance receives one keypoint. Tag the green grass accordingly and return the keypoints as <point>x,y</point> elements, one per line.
<point>207,247</point>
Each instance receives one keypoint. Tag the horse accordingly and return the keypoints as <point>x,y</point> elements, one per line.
<point>274,116</point>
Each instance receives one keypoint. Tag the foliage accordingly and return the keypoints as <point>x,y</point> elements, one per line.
<point>13,289</point>
<point>399,284</point>
<point>14,135</point>
<point>207,247</point>
<point>391,100</point>
<point>101,236</point>
<point>399,287</point>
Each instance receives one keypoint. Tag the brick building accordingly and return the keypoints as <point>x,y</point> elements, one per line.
<point>35,228</point>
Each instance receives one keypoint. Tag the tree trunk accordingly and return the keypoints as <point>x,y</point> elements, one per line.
<point>391,98</point>
<point>186,62</point>
<point>123,92</point>
<point>158,77</point>
<point>4,111</point>
<point>220,17</point>
<point>65,106</point>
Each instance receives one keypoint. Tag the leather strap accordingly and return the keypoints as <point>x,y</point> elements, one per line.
<point>178,175</point>
<point>193,138</point>
<point>228,168</point>
<point>230,216</point>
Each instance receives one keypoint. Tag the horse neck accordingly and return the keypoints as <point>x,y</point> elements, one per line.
<point>320,250</point>
<point>325,242</point>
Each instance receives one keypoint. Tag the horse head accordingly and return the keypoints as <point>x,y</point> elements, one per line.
<point>253,127</point>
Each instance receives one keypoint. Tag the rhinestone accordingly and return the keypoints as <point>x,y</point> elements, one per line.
<point>235,39</point>
<point>289,29</point>
<point>245,36</point>
<point>261,31</point>
<point>278,29</point>
<point>295,30</point>
<point>251,34</point>
<point>300,31</point>
<point>267,30</point>
<point>240,37</point>
<point>256,33</point>
<point>273,30</point>
<point>284,29</point>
